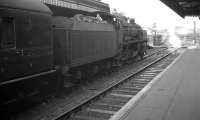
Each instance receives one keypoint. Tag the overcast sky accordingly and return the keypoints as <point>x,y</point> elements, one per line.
<point>146,12</point>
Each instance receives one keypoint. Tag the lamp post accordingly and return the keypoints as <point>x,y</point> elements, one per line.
<point>155,32</point>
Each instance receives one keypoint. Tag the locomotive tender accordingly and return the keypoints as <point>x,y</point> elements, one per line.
<point>38,49</point>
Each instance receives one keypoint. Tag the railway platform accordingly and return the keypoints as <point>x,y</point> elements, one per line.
<point>175,94</point>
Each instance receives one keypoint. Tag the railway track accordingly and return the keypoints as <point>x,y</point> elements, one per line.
<point>83,95</point>
<point>156,51</point>
<point>109,101</point>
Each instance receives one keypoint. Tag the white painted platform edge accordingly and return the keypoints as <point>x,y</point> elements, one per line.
<point>127,108</point>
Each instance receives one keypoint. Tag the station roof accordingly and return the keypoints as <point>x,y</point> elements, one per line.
<point>184,7</point>
<point>83,5</point>
<point>99,5</point>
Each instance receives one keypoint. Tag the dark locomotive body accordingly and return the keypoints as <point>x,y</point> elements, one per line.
<point>134,39</point>
<point>39,51</point>
<point>85,42</point>
<point>26,51</point>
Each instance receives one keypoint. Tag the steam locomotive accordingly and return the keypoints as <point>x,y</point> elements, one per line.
<point>39,51</point>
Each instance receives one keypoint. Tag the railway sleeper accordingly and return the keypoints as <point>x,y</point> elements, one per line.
<point>107,101</point>
<point>106,104</point>
<point>147,75</point>
<point>118,96</point>
<point>104,107</point>
<point>140,80</point>
<point>154,70</point>
<point>116,99</point>
<point>126,92</point>
<point>79,117</point>
<point>130,88</point>
<point>94,114</point>
<point>136,87</point>
<point>139,83</point>
<point>135,84</point>
<point>122,95</point>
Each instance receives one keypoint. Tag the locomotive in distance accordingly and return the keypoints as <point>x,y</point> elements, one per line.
<point>38,50</point>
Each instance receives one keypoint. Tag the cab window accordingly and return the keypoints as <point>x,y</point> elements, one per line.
<point>7,37</point>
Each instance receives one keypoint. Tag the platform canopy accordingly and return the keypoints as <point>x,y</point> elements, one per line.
<point>184,7</point>
<point>83,5</point>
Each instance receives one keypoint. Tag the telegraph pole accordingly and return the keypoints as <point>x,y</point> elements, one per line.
<point>195,41</point>
<point>155,32</point>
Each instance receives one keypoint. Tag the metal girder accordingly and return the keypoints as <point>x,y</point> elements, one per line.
<point>184,7</point>
<point>174,6</point>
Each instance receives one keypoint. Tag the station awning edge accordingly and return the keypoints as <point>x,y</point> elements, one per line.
<point>184,7</point>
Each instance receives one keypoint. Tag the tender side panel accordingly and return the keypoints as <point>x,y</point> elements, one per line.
<point>83,42</point>
<point>90,46</point>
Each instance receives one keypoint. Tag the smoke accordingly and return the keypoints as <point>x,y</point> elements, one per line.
<point>174,41</point>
